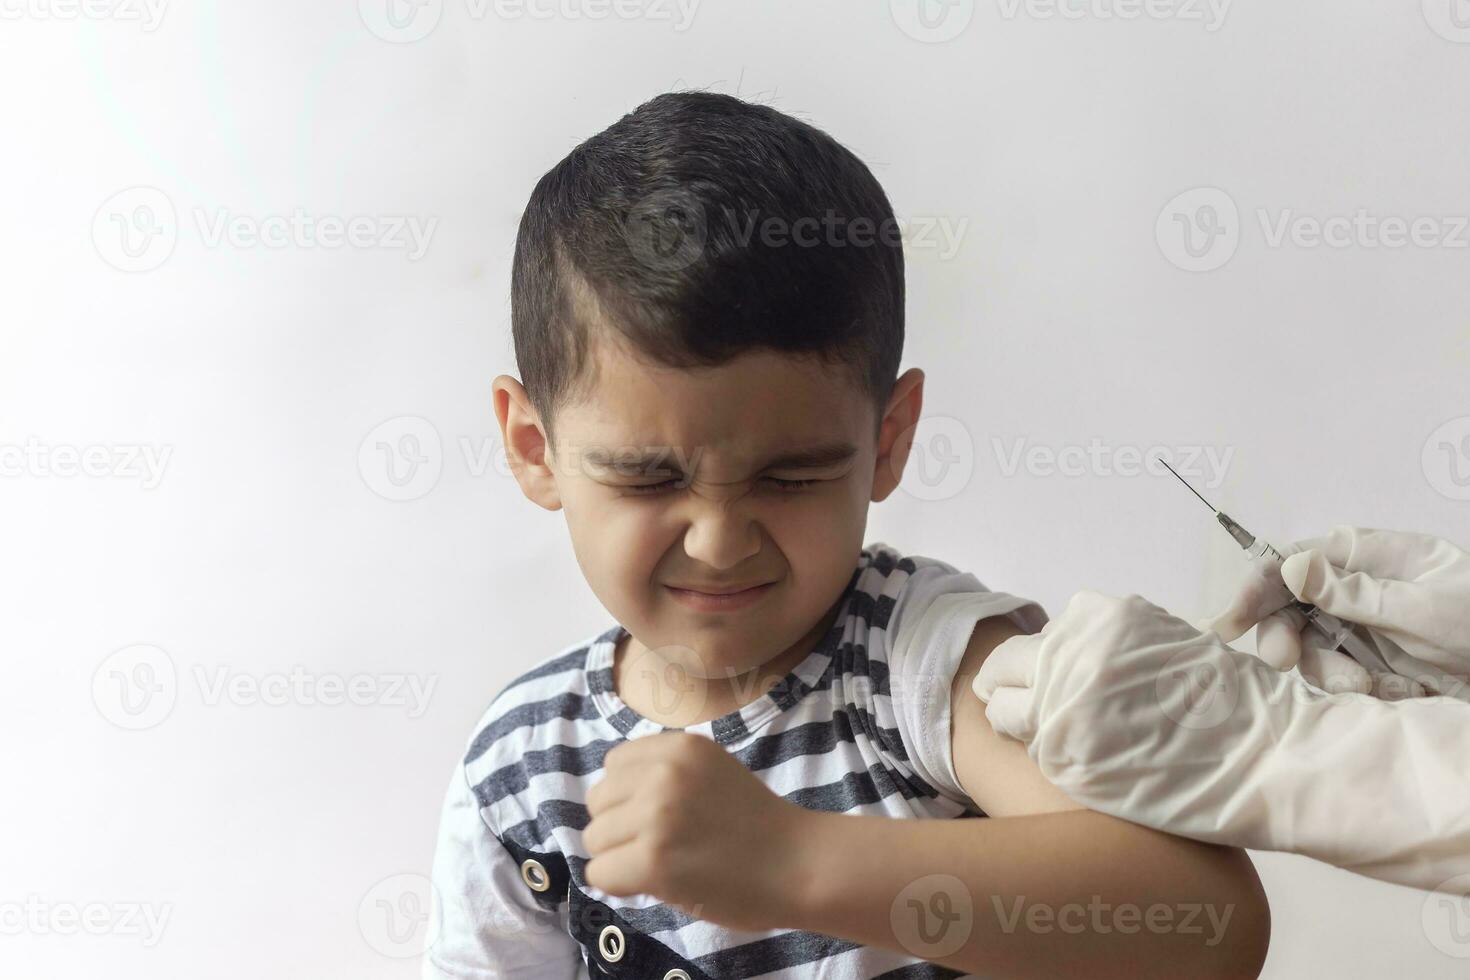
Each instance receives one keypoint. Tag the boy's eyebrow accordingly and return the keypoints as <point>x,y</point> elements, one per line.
<point>826,454</point>
<point>811,457</point>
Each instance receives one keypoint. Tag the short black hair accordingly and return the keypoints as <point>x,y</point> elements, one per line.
<point>690,229</point>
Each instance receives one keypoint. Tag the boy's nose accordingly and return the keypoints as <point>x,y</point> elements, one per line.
<point>721,534</point>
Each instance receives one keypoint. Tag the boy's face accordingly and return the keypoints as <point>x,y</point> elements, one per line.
<point>673,479</point>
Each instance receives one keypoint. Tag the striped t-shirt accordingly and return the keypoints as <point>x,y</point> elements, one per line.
<point>860,726</point>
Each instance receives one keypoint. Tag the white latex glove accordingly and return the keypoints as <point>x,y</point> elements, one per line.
<point>1135,713</point>
<point>1412,591</point>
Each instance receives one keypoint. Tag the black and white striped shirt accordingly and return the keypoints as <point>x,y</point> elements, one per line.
<point>860,726</point>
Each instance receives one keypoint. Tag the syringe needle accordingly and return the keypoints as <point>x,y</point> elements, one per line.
<point>1242,537</point>
<point>1191,489</point>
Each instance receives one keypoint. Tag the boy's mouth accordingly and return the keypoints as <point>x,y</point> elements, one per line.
<point>718,598</point>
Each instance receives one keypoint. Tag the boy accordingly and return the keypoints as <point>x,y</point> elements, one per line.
<point>729,781</point>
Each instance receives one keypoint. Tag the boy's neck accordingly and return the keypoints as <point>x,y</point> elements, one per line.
<point>647,690</point>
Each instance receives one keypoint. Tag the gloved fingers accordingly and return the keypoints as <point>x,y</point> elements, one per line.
<point>1279,638</point>
<point>1260,594</point>
<point>1305,544</point>
<point>1358,596</point>
<point>1009,713</point>
<point>1334,672</point>
<point>1402,555</point>
<point>1011,664</point>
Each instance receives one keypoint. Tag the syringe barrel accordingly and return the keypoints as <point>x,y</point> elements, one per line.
<point>1334,630</point>
<point>1262,549</point>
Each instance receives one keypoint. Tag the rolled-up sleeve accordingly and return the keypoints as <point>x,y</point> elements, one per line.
<point>931,630</point>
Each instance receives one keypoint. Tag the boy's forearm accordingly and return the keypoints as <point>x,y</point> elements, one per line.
<point>1060,894</point>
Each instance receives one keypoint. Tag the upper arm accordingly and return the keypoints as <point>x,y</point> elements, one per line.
<point>993,770</point>
<point>1000,777</point>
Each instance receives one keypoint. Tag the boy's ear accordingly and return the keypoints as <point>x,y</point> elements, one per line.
<point>896,436</point>
<point>525,442</point>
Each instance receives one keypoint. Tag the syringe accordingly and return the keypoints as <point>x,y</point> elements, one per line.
<point>1333,633</point>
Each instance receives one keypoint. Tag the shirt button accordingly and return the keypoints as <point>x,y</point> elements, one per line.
<point>610,944</point>
<point>534,875</point>
<point>676,975</point>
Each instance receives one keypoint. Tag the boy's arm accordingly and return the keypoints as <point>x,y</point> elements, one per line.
<point>1052,889</point>
<point>1041,889</point>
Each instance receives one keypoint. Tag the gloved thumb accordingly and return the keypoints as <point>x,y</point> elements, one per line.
<point>1232,623</point>
<point>1011,664</point>
<point>1259,595</point>
<point>1009,713</point>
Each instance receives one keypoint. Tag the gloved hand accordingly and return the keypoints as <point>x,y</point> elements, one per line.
<point>1411,592</point>
<point>1135,713</point>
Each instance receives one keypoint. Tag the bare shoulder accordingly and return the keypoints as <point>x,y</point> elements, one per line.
<point>995,771</point>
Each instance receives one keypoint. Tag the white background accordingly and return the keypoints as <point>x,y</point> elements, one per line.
<point>1064,317</point>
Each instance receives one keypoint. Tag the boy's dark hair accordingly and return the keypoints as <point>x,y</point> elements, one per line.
<point>699,227</point>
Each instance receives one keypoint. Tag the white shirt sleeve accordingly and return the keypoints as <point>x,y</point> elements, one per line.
<point>930,628</point>
<point>488,925</point>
